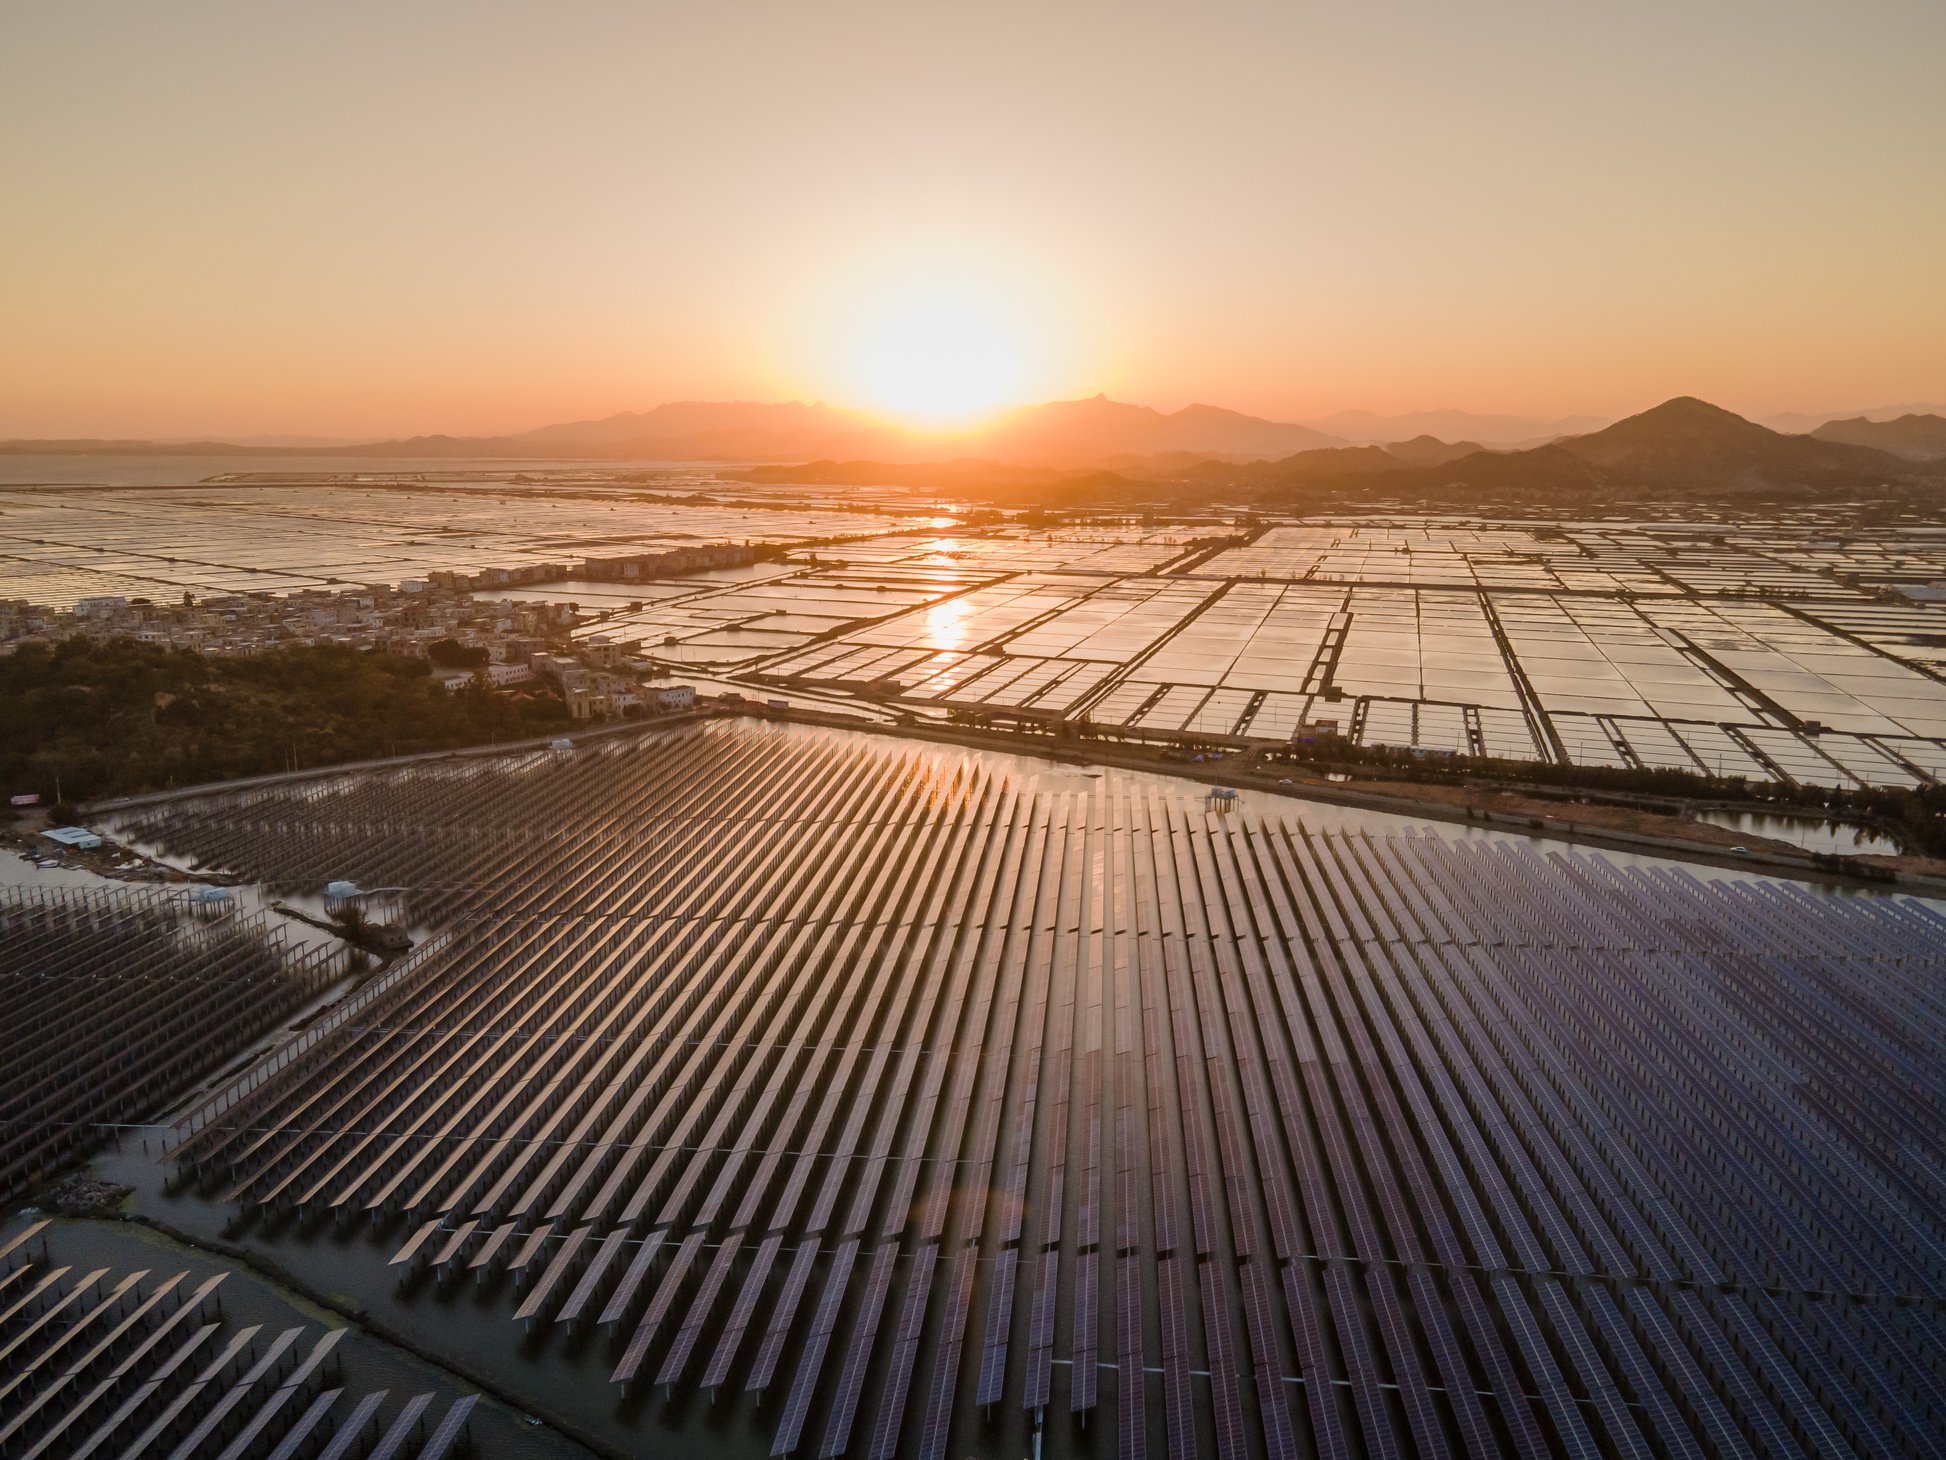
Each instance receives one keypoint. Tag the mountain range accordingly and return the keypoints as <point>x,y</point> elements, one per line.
<point>1092,432</point>
<point>1682,448</point>
<point>1798,423</point>
<point>1075,433</point>
<point>1363,428</point>
<point>1913,436</point>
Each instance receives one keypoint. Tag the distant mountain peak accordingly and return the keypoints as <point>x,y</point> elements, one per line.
<point>1197,410</point>
<point>1448,424</point>
<point>1687,442</point>
<point>1426,449</point>
<point>1696,406</point>
<point>1916,436</point>
<point>1686,409</point>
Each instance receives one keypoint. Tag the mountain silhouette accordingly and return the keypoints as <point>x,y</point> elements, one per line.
<point>1683,449</point>
<point>1914,437</point>
<point>1078,432</point>
<point>1431,451</point>
<point>1066,434</point>
<point>1689,443</point>
<point>1369,428</point>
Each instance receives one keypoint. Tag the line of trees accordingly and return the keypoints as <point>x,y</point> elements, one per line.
<point>87,718</point>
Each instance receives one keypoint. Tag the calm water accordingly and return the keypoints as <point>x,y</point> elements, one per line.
<point>166,471</point>
<point>1844,838</point>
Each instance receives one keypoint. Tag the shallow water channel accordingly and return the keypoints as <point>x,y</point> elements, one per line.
<point>1813,833</point>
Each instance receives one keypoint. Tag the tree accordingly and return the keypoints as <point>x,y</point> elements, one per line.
<point>452,654</point>
<point>110,717</point>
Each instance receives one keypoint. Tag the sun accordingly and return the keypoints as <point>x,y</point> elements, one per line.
<point>941,353</point>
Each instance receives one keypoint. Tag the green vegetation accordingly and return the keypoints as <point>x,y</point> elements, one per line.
<point>452,654</point>
<point>107,717</point>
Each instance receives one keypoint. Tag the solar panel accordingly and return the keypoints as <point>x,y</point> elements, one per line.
<point>349,1435</point>
<point>817,984</point>
<point>450,1429</point>
<point>1000,1309</point>
<point>944,1373</point>
<point>1086,1301</point>
<point>899,1369</point>
<point>1040,1334</point>
<point>741,1312</point>
<point>659,1307</point>
<point>782,1316</point>
<point>298,1436</point>
<point>1131,1383</point>
<point>393,1442</point>
<point>591,1278</point>
<point>1231,1442</point>
<point>700,1308</point>
<point>851,1378</point>
<point>623,1297</point>
<point>810,1361</point>
<point>556,1269</point>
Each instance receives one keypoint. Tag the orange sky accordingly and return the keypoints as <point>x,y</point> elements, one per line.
<point>466,216</point>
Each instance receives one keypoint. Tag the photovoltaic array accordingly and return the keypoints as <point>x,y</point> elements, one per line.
<point>112,1001</point>
<point>931,1099</point>
<point>141,1364</point>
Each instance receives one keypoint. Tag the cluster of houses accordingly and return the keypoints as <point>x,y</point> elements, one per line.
<point>401,620</point>
<point>589,680</point>
<point>524,643</point>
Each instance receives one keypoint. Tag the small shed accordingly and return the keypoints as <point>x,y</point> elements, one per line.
<point>212,903</point>
<point>77,837</point>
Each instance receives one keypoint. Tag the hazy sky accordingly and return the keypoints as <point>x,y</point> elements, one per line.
<point>460,215</point>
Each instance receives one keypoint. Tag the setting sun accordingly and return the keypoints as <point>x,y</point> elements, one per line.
<point>941,354</point>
